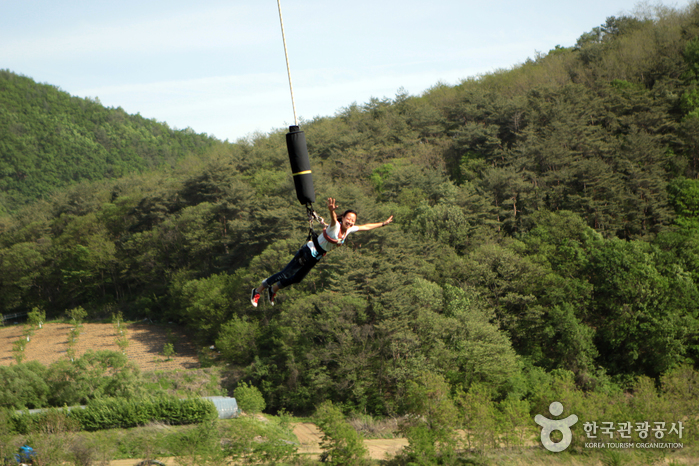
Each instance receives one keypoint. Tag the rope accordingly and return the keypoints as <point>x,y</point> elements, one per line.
<point>288,69</point>
<point>312,215</point>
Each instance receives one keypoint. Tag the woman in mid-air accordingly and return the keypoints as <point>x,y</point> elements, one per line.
<point>311,253</point>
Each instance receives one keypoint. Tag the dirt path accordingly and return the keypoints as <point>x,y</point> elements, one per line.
<point>146,342</point>
<point>309,439</point>
<point>309,444</point>
<point>167,461</point>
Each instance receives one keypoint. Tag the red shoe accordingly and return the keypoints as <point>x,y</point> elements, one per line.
<point>255,297</point>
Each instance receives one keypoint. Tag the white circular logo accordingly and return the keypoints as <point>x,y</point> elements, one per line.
<point>550,425</point>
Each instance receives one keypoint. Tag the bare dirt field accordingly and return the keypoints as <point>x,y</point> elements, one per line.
<point>146,342</point>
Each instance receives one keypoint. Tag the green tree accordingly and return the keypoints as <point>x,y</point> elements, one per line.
<point>93,375</point>
<point>77,315</point>
<point>644,317</point>
<point>433,419</point>
<point>341,444</point>
<point>204,303</point>
<point>36,317</point>
<point>168,351</point>
<point>237,340</point>
<point>18,349</point>
<point>480,417</point>
<point>249,398</point>
<point>120,331</point>
<point>20,268</point>
<point>24,386</point>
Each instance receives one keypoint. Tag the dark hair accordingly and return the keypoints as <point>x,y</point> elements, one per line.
<point>348,211</point>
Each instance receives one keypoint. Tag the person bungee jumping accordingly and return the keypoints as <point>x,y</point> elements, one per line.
<point>311,253</point>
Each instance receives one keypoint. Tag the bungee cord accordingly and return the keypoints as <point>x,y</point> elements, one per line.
<point>288,68</point>
<point>298,152</point>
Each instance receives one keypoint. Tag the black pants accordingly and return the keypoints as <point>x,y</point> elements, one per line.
<point>296,270</point>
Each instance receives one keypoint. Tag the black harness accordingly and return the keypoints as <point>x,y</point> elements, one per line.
<point>312,235</point>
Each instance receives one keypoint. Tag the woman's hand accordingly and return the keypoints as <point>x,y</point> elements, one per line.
<point>371,226</point>
<point>332,205</point>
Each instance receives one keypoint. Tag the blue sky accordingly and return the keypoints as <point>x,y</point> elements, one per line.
<point>218,66</point>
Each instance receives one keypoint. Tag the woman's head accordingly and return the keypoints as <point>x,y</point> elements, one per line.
<point>347,219</point>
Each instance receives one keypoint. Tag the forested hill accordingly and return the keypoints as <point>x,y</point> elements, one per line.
<point>49,140</point>
<point>546,222</point>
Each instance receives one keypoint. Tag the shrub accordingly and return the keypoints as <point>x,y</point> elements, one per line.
<point>51,432</point>
<point>94,374</point>
<point>50,421</point>
<point>249,398</point>
<point>18,350</point>
<point>120,413</point>
<point>480,417</point>
<point>108,413</point>
<point>432,421</point>
<point>77,315</point>
<point>245,445</point>
<point>23,385</point>
<point>82,453</point>
<point>168,350</point>
<point>341,443</point>
<point>36,317</point>
<point>680,387</point>
<point>6,428</point>
<point>198,446</point>
<point>120,331</point>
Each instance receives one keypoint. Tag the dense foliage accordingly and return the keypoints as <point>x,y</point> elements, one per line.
<point>57,439</point>
<point>341,443</point>
<point>489,424</point>
<point>109,413</point>
<point>431,429</point>
<point>249,398</point>
<point>49,140</point>
<point>69,383</point>
<point>546,220</point>
<point>112,413</point>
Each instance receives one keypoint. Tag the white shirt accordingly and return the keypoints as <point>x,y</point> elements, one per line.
<point>334,233</point>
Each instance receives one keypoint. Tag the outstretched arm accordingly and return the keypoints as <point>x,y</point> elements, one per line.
<point>371,226</point>
<point>331,207</point>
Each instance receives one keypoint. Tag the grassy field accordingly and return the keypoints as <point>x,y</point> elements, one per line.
<point>273,441</point>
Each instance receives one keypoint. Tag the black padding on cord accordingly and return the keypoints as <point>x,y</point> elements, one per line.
<point>300,165</point>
